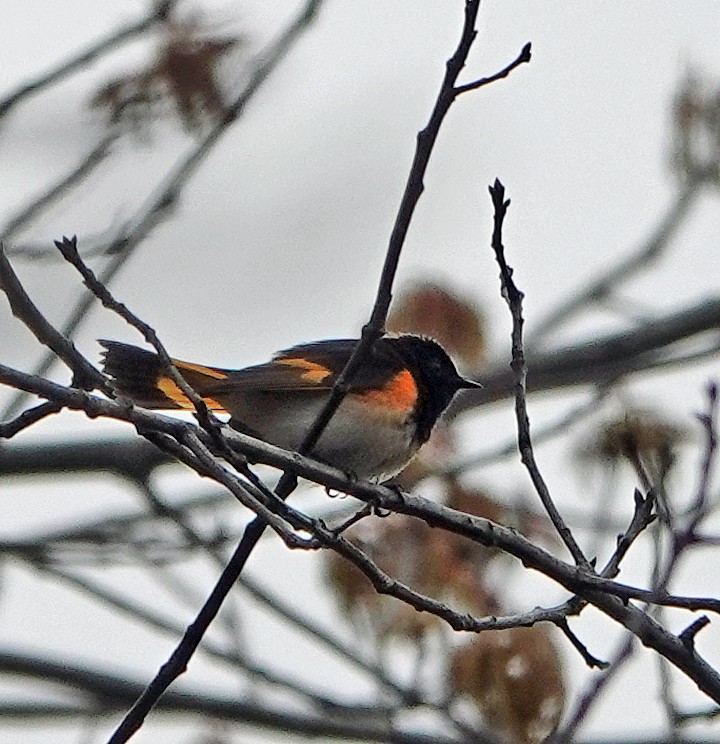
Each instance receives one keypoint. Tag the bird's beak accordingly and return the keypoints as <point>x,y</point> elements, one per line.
<point>465,384</point>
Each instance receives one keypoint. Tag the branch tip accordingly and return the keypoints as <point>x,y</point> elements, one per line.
<point>687,637</point>
<point>592,661</point>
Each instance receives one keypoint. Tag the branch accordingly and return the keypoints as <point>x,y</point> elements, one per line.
<point>68,248</point>
<point>514,299</point>
<point>135,458</point>
<point>699,508</point>
<point>588,658</point>
<point>597,360</point>
<point>478,529</point>
<point>112,693</point>
<point>687,637</point>
<point>522,58</point>
<point>27,419</point>
<point>23,308</point>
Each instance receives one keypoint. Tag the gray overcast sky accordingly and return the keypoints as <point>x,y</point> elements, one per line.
<point>281,236</point>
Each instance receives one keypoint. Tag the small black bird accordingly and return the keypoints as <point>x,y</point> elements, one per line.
<point>394,400</point>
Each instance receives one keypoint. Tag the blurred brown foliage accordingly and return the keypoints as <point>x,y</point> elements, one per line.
<point>643,439</point>
<point>515,678</point>
<point>183,77</point>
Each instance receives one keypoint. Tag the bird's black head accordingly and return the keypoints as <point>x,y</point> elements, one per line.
<point>435,374</point>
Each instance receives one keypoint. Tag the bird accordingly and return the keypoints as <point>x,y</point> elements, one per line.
<point>392,404</point>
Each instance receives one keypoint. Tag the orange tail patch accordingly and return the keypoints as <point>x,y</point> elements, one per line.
<point>197,377</point>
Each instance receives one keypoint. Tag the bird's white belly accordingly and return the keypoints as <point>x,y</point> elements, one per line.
<point>364,441</point>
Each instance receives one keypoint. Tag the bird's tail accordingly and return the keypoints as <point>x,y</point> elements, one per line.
<point>141,376</point>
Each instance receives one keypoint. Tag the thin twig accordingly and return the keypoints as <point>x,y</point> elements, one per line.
<point>514,298</point>
<point>698,508</point>
<point>592,661</point>
<point>28,418</point>
<point>23,308</point>
<point>69,251</point>
<point>522,58</point>
<point>688,635</point>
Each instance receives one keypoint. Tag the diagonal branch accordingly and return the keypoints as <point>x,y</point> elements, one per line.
<point>599,360</point>
<point>112,692</point>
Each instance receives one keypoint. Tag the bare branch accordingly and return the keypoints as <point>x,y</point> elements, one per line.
<point>23,308</point>
<point>28,418</point>
<point>514,299</point>
<point>522,58</point>
<point>598,360</point>
<point>112,693</point>
<point>592,661</point>
<point>68,248</point>
<point>688,635</point>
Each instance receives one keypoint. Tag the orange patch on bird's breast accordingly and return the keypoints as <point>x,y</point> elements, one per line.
<point>398,395</point>
<point>311,371</point>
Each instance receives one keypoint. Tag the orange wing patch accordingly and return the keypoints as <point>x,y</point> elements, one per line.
<point>399,395</point>
<point>313,372</point>
<point>171,389</point>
